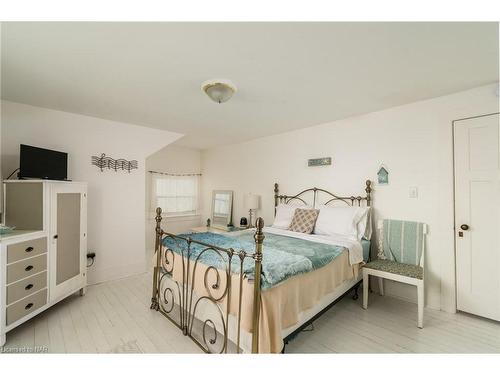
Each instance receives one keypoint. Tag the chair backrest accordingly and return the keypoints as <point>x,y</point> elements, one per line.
<point>402,241</point>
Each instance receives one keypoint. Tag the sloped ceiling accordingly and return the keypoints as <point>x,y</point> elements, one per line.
<point>289,75</point>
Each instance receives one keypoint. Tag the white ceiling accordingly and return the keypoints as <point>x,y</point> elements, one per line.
<point>289,75</point>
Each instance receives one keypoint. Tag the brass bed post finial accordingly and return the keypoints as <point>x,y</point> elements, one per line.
<point>276,191</point>
<point>158,233</point>
<point>259,239</point>
<point>368,190</point>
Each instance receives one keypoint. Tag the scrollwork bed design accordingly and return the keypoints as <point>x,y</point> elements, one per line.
<point>177,299</point>
<point>216,293</point>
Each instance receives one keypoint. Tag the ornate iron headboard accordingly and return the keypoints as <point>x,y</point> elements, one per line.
<point>351,200</point>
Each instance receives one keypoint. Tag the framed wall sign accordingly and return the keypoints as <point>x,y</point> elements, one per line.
<point>319,162</point>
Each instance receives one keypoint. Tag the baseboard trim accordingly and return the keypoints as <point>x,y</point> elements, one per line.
<point>98,276</point>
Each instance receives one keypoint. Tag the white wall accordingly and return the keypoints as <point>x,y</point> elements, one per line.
<point>170,159</point>
<point>116,220</point>
<point>414,141</point>
<point>1,175</point>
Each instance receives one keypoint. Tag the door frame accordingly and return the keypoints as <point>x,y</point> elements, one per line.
<point>455,286</point>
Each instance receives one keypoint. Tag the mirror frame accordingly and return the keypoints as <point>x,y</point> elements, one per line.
<point>230,218</point>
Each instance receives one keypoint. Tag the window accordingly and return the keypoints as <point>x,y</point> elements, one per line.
<point>176,195</point>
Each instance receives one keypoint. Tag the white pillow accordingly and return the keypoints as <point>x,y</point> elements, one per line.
<point>342,220</point>
<point>365,226</point>
<point>284,215</point>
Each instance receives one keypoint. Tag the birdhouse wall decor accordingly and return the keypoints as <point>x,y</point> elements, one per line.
<point>383,175</point>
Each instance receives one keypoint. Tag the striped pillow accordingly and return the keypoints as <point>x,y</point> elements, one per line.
<point>304,220</point>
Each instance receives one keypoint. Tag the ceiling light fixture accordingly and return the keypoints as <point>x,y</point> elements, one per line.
<point>219,90</point>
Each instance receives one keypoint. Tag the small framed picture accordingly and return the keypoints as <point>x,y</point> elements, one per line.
<point>318,162</point>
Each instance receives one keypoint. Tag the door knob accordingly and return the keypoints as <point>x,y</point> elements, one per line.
<point>464,227</point>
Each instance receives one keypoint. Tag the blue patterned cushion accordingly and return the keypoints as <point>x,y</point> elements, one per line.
<point>403,269</point>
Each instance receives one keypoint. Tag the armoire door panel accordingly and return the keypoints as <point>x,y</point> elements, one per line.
<point>68,236</point>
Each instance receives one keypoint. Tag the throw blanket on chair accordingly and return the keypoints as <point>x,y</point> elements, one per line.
<point>402,241</point>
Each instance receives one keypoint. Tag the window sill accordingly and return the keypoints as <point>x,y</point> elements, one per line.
<point>185,217</point>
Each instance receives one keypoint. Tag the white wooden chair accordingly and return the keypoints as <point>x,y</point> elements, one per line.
<point>400,258</point>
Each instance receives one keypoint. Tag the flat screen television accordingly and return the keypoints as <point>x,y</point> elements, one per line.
<point>41,163</point>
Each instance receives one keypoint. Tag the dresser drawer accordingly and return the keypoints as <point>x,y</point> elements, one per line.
<point>26,249</point>
<point>25,306</point>
<point>26,287</point>
<point>25,268</point>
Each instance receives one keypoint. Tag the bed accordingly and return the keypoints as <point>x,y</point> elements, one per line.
<point>252,291</point>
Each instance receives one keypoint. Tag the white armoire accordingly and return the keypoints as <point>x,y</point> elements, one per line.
<point>44,259</point>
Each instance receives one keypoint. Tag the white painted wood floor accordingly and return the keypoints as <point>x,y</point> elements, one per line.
<point>115,317</point>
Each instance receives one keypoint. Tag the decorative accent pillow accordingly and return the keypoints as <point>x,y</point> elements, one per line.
<point>304,220</point>
<point>284,215</point>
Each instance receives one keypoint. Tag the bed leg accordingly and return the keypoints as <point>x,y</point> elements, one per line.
<point>154,304</point>
<point>356,295</point>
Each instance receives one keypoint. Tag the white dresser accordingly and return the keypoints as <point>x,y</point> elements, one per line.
<point>44,260</point>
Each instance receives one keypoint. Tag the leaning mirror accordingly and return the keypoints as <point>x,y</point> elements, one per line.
<point>222,207</point>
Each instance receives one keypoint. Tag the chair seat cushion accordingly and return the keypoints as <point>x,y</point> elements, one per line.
<point>403,269</point>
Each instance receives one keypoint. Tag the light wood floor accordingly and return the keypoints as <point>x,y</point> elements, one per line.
<point>115,317</point>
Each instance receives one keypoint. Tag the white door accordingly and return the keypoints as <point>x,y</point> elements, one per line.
<point>477,219</point>
<point>68,239</point>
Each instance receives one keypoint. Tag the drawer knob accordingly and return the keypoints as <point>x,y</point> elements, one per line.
<point>28,287</point>
<point>29,268</point>
<point>28,306</point>
<point>29,249</point>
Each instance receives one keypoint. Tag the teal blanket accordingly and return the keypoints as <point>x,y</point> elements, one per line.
<point>283,257</point>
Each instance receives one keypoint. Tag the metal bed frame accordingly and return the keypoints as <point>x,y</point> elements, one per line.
<point>179,301</point>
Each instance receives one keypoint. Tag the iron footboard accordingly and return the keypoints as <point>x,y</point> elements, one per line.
<point>175,275</point>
